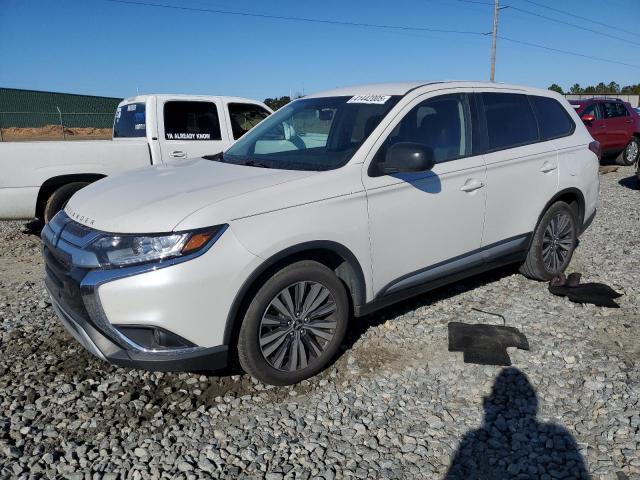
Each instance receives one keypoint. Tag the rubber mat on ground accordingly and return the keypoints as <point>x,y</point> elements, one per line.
<point>485,344</point>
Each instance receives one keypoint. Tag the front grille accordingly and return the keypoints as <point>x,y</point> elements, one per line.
<point>63,281</point>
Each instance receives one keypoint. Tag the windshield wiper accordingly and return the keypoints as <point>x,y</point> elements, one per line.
<point>253,163</point>
<point>218,157</point>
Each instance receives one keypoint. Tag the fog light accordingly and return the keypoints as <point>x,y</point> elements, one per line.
<point>153,338</point>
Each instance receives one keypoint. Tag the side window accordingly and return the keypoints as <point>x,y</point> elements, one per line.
<point>553,119</point>
<point>186,120</point>
<point>510,120</point>
<point>245,116</point>
<point>614,109</point>
<point>442,123</point>
<point>594,110</point>
<point>130,121</point>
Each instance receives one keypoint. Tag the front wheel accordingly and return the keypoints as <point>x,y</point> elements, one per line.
<point>553,243</point>
<point>294,324</point>
<point>630,154</point>
<point>59,198</point>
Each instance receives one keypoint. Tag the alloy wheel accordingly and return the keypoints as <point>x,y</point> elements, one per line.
<point>297,326</point>
<point>557,242</point>
<point>631,152</point>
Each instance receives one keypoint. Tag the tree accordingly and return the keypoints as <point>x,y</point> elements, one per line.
<point>613,87</point>
<point>601,88</point>
<point>276,103</point>
<point>576,89</point>
<point>556,88</point>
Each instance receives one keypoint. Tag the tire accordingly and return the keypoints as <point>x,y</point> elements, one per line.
<point>629,156</point>
<point>59,198</point>
<point>268,354</point>
<point>558,221</point>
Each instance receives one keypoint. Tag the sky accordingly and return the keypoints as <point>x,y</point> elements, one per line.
<point>101,47</point>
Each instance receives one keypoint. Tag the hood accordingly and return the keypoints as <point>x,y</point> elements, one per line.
<point>156,199</point>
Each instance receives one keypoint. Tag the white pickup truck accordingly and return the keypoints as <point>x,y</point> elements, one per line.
<point>38,178</point>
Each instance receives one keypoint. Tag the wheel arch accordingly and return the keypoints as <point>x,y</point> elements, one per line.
<point>52,184</point>
<point>574,198</point>
<point>333,255</point>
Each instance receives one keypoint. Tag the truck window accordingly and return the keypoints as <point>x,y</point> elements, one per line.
<point>191,120</point>
<point>130,121</point>
<point>245,116</point>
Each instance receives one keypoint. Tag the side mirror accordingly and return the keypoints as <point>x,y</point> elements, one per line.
<point>588,118</point>
<point>407,157</point>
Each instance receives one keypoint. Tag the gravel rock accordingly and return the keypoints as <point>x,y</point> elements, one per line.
<point>396,404</point>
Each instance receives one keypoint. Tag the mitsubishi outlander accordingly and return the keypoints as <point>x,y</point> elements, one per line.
<point>338,204</point>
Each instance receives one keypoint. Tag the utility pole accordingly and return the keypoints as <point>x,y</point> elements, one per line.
<point>496,9</point>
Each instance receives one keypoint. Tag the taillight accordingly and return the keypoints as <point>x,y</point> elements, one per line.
<point>595,148</point>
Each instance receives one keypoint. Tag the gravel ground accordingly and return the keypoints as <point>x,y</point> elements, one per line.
<point>396,403</point>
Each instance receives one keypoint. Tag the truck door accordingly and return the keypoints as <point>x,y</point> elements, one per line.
<point>190,128</point>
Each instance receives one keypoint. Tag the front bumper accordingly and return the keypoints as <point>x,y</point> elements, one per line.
<point>178,360</point>
<point>72,283</point>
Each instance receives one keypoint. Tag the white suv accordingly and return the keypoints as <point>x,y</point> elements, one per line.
<point>338,204</point>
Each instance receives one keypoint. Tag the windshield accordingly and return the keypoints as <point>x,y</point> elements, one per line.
<point>312,134</point>
<point>130,121</point>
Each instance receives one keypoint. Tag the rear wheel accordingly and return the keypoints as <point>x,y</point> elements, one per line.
<point>630,154</point>
<point>553,243</point>
<point>294,324</point>
<point>59,198</point>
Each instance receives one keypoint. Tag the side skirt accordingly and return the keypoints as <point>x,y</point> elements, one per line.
<point>512,250</point>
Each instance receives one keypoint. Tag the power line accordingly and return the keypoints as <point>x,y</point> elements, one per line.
<point>555,20</point>
<point>564,12</point>
<point>367,25</point>
<point>567,52</point>
<point>297,19</point>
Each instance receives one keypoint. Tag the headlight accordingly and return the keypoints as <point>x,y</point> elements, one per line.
<point>122,250</point>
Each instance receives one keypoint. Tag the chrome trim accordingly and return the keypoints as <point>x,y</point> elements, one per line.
<point>54,237</point>
<point>75,330</point>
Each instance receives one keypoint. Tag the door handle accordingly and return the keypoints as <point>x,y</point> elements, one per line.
<point>629,121</point>
<point>471,185</point>
<point>548,167</point>
<point>178,154</point>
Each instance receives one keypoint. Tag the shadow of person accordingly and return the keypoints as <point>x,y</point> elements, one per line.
<point>511,443</point>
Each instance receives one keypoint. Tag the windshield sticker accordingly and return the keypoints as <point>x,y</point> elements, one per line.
<point>131,107</point>
<point>140,126</point>
<point>375,99</point>
<point>188,136</point>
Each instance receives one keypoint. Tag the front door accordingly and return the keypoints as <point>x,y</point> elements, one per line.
<point>597,127</point>
<point>421,222</point>
<point>190,128</point>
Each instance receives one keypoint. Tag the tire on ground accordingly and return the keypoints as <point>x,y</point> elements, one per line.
<point>250,353</point>
<point>625,157</point>
<point>59,198</point>
<point>534,266</point>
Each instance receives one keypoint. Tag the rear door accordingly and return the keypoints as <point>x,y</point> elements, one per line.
<point>522,170</point>
<point>190,127</point>
<point>615,120</point>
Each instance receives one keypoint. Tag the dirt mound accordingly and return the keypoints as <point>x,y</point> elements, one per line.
<point>54,132</point>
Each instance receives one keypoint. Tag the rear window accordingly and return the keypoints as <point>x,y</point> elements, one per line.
<point>510,120</point>
<point>186,120</point>
<point>130,121</point>
<point>553,119</point>
<point>614,109</point>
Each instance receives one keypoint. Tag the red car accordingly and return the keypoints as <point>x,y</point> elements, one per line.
<point>613,123</point>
